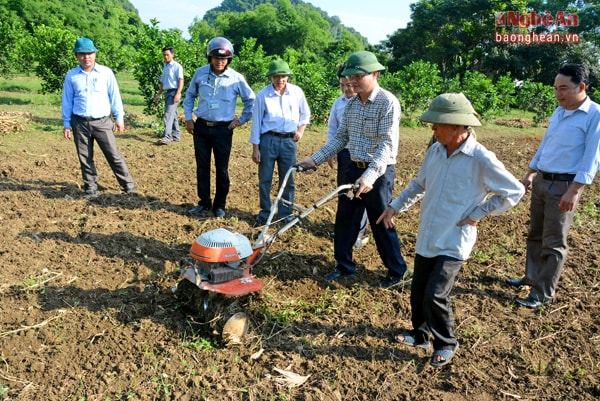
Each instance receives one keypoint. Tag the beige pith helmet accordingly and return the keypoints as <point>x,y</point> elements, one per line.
<point>451,109</point>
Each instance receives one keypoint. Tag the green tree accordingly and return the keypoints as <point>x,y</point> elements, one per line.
<point>277,27</point>
<point>481,92</point>
<point>416,85</point>
<point>14,40</point>
<point>52,48</point>
<point>252,62</point>
<point>537,98</point>
<point>460,37</point>
<point>112,24</point>
<point>314,79</point>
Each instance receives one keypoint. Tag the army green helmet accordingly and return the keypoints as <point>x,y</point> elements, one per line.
<point>279,67</point>
<point>361,62</point>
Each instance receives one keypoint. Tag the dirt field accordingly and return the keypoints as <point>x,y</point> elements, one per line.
<point>87,311</point>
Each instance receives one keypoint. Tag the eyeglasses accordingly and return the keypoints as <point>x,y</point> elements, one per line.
<point>357,77</point>
<point>355,67</point>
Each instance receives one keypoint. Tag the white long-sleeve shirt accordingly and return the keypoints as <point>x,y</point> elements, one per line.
<point>472,182</point>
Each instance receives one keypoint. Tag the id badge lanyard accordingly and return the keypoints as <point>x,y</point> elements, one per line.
<point>213,103</point>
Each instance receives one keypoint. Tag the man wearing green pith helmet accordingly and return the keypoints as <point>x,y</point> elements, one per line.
<point>370,131</point>
<point>460,182</point>
<point>279,118</point>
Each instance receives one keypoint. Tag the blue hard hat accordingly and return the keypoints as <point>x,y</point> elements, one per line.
<point>84,45</point>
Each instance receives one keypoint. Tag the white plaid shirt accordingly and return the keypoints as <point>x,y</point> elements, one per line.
<point>370,131</point>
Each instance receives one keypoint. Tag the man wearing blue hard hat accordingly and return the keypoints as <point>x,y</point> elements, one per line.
<point>90,101</point>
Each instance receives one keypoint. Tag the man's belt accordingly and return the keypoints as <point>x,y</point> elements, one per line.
<point>214,123</point>
<point>281,134</point>
<point>88,118</point>
<point>361,165</point>
<point>557,177</point>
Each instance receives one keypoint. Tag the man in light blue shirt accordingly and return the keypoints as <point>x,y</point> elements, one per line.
<point>281,114</point>
<point>217,87</point>
<point>565,162</point>
<point>171,83</point>
<point>90,95</point>
<point>460,183</point>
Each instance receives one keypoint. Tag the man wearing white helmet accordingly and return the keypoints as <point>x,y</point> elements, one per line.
<point>217,87</point>
<point>460,182</point>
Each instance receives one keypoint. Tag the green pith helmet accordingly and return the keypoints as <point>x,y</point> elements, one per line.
<point>361,63</point>
<point>451,109</point>
<point>279,67</point>
<point>84,45</point>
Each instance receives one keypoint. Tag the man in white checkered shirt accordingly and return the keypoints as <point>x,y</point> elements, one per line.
<point>370,131</point>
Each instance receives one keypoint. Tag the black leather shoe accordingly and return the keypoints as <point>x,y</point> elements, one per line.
<point>518,282</point>
<point>393,281</point>
<point>337,274</point>
<point>219,213</point>
<point>532,303</point>
<point>197,210</point>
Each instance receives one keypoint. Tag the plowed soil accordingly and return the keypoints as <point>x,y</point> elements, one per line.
<point>87,310</point>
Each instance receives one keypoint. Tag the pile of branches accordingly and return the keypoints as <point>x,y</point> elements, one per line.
<point>11,122</point>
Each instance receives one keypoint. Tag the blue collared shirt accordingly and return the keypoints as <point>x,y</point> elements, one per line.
<point>472,182</point>
<point>94,94</point>
<point>336,114</point>
<point>279,113</point>
<point>571,144</point>
<point>217,95</point>
<point>172,73</point>
<point>370,131</point>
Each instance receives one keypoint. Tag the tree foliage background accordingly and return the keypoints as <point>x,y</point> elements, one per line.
<point>447,46</point>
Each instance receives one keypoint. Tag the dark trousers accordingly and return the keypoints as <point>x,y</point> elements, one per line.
<point>349,216</point>
<point>433,279</point>
<point>210,141</point>
<point>547,246</point>
<point>343,164</point>
<point>85,133</point>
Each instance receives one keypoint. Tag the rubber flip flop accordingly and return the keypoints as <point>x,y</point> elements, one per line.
<point>447,354</point>
<point>409,339</point>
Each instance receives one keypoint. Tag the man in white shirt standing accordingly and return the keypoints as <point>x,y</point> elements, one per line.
<point>460,182</point>
<point>279,118</point>
<point>171,83</point>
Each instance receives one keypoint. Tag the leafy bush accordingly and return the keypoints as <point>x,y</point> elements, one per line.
<point>481,92</point>
<point>14,41</point>
<point>537,98</point>
<point>320,94</point>
<point>53,55</point>
<point>506,93</point>
<point>253,63</point>
<point>415,85</point>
